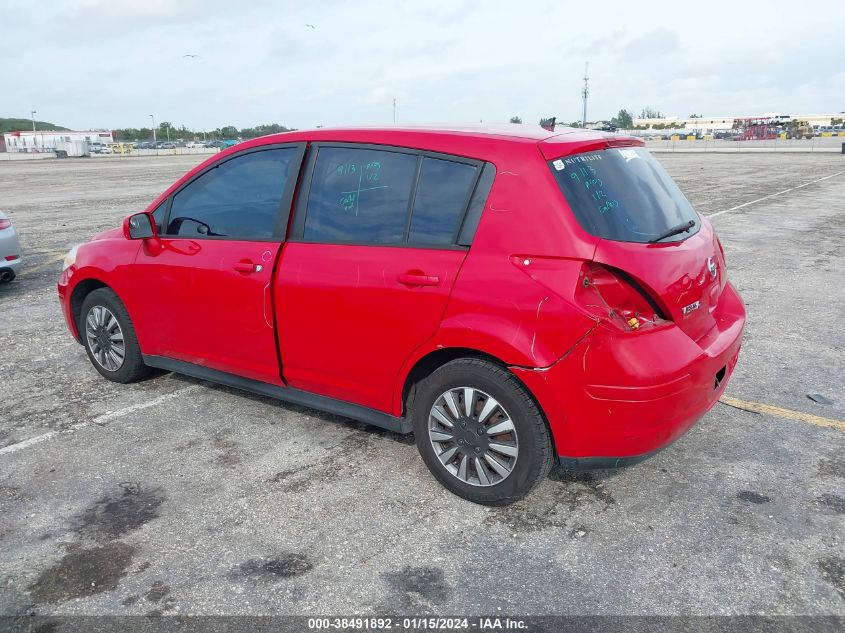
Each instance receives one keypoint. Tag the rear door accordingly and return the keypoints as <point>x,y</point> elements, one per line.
<point>208,279</point>
<point>364,278</point>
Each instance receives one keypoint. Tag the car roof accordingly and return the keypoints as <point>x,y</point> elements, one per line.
<point>508,131</point>
<point>470,139</point>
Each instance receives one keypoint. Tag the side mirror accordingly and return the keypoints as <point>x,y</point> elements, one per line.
<point>141,226</point>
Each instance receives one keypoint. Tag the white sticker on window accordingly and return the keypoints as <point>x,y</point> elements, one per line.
<point>559,165</point>
<point>628,154</point>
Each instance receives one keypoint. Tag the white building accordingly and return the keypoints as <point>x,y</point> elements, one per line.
<point>715,124</point>
<point>46,141</point>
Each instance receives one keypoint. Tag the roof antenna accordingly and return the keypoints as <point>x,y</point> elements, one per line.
<point>584,93</point>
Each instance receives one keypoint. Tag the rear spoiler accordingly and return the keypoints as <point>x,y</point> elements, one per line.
<point>583,141</point>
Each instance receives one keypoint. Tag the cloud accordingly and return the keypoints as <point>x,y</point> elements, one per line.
<point>657,43</point>
<point>109,63</point>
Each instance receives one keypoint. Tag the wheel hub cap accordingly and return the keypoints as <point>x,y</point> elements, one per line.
<point>104,337</point>
<point>473,436</point>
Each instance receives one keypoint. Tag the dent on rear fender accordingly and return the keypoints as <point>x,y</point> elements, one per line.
<point>504,312</point>
<point>533,340</point>
<point>581,347</point>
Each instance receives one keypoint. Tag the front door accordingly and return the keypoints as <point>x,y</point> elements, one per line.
<point>208,280</point>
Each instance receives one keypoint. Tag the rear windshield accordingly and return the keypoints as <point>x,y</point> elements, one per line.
<point>623,194</point>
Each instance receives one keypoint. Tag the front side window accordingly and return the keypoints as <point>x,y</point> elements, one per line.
<point>359,196</point>
<point>442,195</point>
<point>158,216</point>
<point>240,198</point>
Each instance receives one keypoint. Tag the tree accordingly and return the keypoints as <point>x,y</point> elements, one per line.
<point>651,113</point>
<point>516,119</point>
<point>183,133</point>
<point>263,130</point>
<point>25,125</point>
<point>623,120</point>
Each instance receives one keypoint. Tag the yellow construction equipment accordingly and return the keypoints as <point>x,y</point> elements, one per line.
<point>798,129</point>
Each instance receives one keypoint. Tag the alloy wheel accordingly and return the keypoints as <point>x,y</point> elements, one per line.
<point>105,338</point>
<point>473,436</point>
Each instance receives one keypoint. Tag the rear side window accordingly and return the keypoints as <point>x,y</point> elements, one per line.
<point>359,196</point>
<point>623,194</point>
<point>442,195</point>
<point>240,198</point>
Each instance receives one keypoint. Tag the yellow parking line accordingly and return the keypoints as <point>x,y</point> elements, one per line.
<point>809,418</point>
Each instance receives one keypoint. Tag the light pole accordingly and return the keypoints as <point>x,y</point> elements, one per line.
<point>154,134</point>
<point>32,114</point>
<point>585,93</point>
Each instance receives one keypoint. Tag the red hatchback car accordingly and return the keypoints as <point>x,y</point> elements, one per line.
<point>513,296</point>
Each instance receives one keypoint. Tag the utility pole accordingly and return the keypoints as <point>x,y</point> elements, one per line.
<point>154,134</point>
<point>394,110</point>
<point>33,113</point>
<point>584,93</point>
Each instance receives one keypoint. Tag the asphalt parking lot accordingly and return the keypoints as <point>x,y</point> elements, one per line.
<point>175,496</point>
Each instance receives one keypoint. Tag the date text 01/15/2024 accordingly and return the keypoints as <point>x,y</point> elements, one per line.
<point>413,623</point>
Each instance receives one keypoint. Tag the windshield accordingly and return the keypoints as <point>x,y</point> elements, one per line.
<point>623,194</point>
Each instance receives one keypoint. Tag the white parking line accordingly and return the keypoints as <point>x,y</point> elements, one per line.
<point>772,195</point>
<point>100,420</point>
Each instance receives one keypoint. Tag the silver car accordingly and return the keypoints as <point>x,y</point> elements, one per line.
<point>10,250</point>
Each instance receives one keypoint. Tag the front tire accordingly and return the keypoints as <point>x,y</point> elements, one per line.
<point>109,338</point>
<point>480,432</point>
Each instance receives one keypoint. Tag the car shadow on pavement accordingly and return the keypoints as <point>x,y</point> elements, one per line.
<point>559,472</point>
<point>349,423</point>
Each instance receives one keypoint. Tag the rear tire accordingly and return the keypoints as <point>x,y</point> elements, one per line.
<point>497,448</point>
<point>109,338</point>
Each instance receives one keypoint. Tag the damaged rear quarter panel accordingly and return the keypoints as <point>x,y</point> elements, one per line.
<point>495,306</point>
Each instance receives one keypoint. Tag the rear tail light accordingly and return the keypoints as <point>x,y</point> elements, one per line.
<point>615,298</point>
<point>5,224</point>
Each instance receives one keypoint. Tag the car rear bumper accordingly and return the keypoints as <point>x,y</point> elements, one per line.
<point>10,247</point>
<point>618,397</point>
<point>11,264</point>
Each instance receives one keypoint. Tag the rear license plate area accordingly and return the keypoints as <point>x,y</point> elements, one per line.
<point>720,376</point>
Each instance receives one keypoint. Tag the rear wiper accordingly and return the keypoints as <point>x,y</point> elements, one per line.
<point>680,228</point>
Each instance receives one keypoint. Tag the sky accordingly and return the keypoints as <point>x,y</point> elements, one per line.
<point>111,63</point>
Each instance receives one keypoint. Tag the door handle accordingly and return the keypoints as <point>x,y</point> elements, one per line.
<point>412,279</point>
<point>248,267</point>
